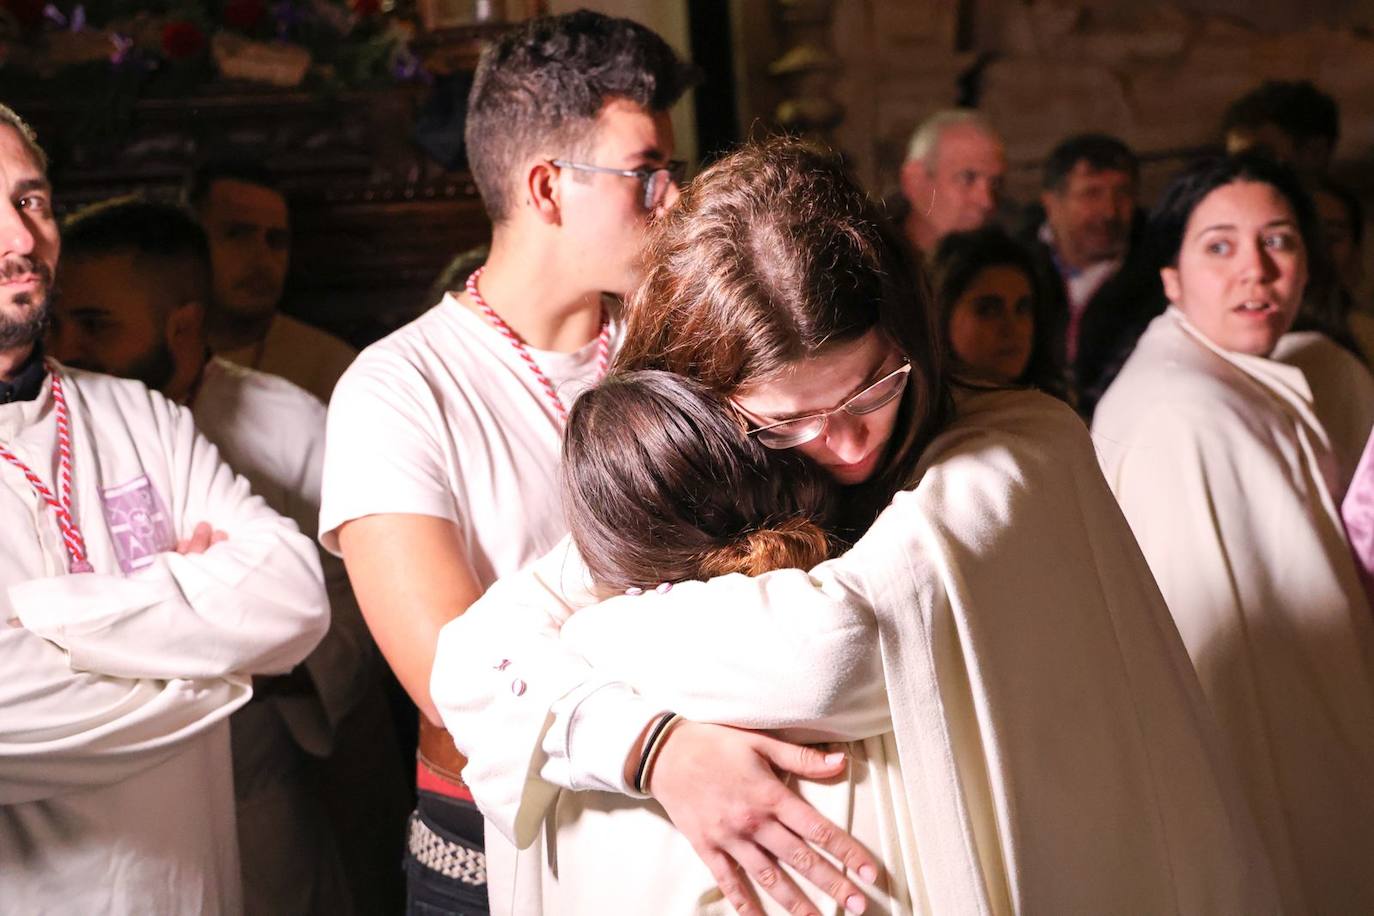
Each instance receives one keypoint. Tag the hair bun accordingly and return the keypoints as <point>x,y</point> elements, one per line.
<point>796,542</point>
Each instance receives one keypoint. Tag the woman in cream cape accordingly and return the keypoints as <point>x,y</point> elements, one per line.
<point>996,628</point>
<point>1226,477</point>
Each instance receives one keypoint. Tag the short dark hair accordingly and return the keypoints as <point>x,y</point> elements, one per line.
<point>1354,210</point>
<point>160,233</point>
<point>225,166</point>
<point>1169,219</point>
<point>543,83</point>
<point>661,484</point>
<point>961,257</point>
<point>1298,108</point>
<point>1102,153</point>
<point>26,133</point>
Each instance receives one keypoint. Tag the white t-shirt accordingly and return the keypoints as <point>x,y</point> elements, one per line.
<point>444,418</point>
<point>115,788</point>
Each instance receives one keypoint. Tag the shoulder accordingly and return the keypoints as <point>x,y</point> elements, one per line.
<point>263,388</point>
<point>1169,370</point>
<point>1011,434</point>
<point>108,398</point>
<point>295,331</point>
<point>1314,351</point>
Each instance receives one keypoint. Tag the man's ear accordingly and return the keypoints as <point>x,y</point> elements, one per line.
<point>914,179</point>
<point>541,192</point>
<point>1172,290</point>
<point>1050,201</point>
<point>185,322</point>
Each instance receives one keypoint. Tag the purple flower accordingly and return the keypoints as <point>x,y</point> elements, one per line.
<point>76,22</point>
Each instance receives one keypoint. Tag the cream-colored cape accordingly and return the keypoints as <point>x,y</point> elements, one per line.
<point>1342,395</point>
<point>1225,474</point>
<point>1056,754</point>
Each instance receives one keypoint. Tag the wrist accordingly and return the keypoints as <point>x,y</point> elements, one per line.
<point>653,743</point>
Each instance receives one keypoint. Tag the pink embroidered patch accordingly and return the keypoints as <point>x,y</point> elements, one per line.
<point>138,522</point>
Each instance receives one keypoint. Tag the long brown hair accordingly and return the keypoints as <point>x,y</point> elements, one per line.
<point>771,255</point>
<point>660,484</point>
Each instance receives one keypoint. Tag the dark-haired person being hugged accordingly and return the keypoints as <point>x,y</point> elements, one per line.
<point>442,456</point>
<point>1025,732</point>
<point>997,318</point>
<point>1227,476</point>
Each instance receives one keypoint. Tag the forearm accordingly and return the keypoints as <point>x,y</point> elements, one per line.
<point>66,731</point>
<point>252,604</point>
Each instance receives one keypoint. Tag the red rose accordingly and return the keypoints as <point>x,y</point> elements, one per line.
<point>28,13</point>
<point>182,39</point>
<point>366,8</point>
<point>244,15</point>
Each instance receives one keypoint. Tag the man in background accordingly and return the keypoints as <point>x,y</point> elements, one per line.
<point>245,216</point>
<point>952,178</point>
<point>1294,122</point>
<point>142,588</point>
<point>135,280</point>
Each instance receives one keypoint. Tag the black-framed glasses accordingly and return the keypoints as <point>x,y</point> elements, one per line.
<point>653,179</point>
<point>801,430</point>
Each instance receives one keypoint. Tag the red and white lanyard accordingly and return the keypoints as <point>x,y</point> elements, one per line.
<point>603,346</point>
<point>61,507</point>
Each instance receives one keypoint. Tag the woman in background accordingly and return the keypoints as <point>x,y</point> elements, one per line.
<point>994,315</point>
<point>1227,475</point>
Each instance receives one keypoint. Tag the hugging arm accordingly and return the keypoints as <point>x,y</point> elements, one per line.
<point>577,723</point>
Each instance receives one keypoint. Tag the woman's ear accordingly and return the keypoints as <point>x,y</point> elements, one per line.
<point>1172,290</point>
<point>541,191</point>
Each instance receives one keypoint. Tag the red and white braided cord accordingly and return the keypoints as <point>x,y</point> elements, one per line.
<point>603,346</point>
<point>61,506</point>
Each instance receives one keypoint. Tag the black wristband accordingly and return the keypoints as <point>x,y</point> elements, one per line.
<point>646,753</point>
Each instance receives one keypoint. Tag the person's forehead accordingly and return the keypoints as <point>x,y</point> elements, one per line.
<point>820,382</point>
<point>962,145</point>
<point>626,130</point>
<point>17,157</point>
<point>115,283</point>
<point>1243,204</point>
<point>1084,174</point>
<point>242,201</point>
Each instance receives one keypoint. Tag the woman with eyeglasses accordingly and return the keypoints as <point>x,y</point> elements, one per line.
<point>1226,475</point>
<point>1024,732</point>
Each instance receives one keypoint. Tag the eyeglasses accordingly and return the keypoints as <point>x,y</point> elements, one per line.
<point>654,180</point>
<point>801,430</point>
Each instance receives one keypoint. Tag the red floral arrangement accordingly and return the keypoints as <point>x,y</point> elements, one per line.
<point>28,13</point>
<point>244,15</point>
<point>182,39</point>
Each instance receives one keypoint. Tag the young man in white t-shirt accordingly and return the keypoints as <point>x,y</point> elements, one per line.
<point>443,439</point>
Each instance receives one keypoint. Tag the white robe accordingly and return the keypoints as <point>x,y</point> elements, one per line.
<point>1225,475</point>
<point>1057,755</point>
<point>300,353</point>
<point>272,433</point>
<point>115,787</point>
<point>1342,395</point>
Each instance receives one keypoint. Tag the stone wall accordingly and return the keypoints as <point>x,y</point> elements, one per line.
<point>1157,75</point>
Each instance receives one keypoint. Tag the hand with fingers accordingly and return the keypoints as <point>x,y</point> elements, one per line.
<point>201,539</point>
<point>721,788</point>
